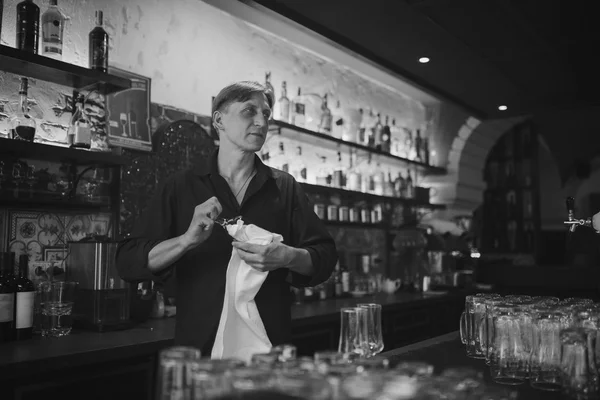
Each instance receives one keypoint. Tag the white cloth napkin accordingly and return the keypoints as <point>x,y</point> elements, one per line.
<point>241,332</point>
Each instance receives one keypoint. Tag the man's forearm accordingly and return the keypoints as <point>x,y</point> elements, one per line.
<point>301,262</point>
<point>166,253</point>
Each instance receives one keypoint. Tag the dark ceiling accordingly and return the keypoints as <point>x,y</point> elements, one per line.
<point>531,55</point>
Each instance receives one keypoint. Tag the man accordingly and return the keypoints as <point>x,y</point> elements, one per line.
<point>178,229</point>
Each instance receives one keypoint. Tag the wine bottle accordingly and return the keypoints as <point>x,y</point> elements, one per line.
<point>7,298</point>
<point>24,299</point>
<point>28,26</point>
<point>53,23</point>
<point>22,125</point>
<point>98,43</point>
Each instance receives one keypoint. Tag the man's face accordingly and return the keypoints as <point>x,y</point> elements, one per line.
<point>245,124</point>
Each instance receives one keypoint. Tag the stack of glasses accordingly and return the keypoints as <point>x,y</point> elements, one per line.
<point>550,342</point>
<point>354,372</point>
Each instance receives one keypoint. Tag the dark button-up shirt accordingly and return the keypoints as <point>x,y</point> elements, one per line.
<point>274,201</point>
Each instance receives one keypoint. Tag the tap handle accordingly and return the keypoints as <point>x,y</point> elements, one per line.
<point>570,205</point>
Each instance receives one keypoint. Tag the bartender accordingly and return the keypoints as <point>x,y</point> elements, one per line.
<point>179,231</point>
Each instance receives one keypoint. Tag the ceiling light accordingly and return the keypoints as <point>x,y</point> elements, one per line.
<point>424,60</point>
<point>502,108</point>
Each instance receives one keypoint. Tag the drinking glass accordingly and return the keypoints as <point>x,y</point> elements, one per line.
<point>374,335</point>
<point>210,378</point>
<point>506,357</point>
<point>414,369</point>
<point>353,337</point>
<point>372,364</point>
<point>473,326</point>
<point>251,379</point>
<point>544,367</point>
<point>285,352</point>
<point>362,386</point>
<point>303,385</point>
<point>176,368</point>
<point>486,327</point>
<point>56,304</point>
<point>578,363</point>
<point>264,359</point>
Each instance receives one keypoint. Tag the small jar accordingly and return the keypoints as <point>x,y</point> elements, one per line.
<point>320,210</point>
<point>365,216</point>
<point>332,212</point>
<point>354,215</point>
<point>344,214</point>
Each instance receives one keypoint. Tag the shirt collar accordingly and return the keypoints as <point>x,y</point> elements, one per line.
<point>209,166</point>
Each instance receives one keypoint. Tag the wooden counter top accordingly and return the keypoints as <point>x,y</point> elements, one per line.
<point>39,355</point>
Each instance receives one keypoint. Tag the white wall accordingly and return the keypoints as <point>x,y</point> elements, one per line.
<point>191,50</point>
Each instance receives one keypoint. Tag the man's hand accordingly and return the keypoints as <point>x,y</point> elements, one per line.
<point>596,221</point>
<point>265,257</point>
<point>202,222</point>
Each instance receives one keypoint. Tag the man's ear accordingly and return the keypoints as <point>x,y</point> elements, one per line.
<point>217,120</point>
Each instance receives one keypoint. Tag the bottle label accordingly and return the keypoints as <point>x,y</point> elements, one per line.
<point>25,309</point>
<point>51,31</point>
<point>299,108</point>
<point>6,307</point>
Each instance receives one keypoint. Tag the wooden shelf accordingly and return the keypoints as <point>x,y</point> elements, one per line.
<point>47,69</point>
<point>73,205</point>
<point>322,140</point>
<point>348,224</point>
<point>368,196</point>
<point>10,148</point>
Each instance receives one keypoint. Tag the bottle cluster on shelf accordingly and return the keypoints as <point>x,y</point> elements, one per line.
<point>17,298</point>
<point>24,180</point>
<point>22,121</point>
<point>362,126</point>
<point>53,24</point>
<point>338,170</point>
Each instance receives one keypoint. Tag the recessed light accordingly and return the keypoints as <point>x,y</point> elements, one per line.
<point>424,60</point>
<point>502,108</point>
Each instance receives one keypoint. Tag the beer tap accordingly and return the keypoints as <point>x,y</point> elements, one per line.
<point>572,221</point>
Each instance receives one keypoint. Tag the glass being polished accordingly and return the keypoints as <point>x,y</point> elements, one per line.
<point>179,229</point>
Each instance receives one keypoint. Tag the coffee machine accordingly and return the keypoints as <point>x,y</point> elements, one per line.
<point>103,299</point>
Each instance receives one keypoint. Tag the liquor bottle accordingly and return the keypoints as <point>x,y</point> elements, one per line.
<point>395,138</point>
<point>378,180</point>
<point>377,133</point>
<point>371,124</point>
<point>388,189</point>
<point>282,109</point>
<point>21,123</point>
<point>7,298</point>
<point>345,275</point>
<point>300,167</point>
<point>24,301</point>
<point>409,186</point>
<point>79,133</point>
<point>337,278</point>
<point>298,110</point>
<point>98,45</point>
<point>425,151</point>
<point>418,147</point>
<point>337,127</point>
<point>269,86</point>
<point>132,119</point>
<point>338,179</point>
<point>400,186</point>
<point>326,117</point>
<point>28,26</point>
<point>362,128</point>
<point>386,136</point>
<point>408,144</point>
<point>323,175</point>
<point>53,23</point>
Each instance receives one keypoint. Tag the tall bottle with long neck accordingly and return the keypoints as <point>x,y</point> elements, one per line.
<point>298,110</point>
<point>282,108</point>
<point>28,26</point>
<point>21,124</point>
<point>7,298</point>
<point>326,117</point>
<point>269,87</point>
<point>98,45</point>
<point>24,301</point>
<point>53,23</point>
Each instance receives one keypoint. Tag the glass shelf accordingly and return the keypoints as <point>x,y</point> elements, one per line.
<point>326,141</point>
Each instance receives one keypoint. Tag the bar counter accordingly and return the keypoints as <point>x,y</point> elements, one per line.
<point>88,359</point>
<point>446,351</point>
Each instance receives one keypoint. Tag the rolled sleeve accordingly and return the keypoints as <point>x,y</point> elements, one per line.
<point>156,225</point>
<point>309,233</point>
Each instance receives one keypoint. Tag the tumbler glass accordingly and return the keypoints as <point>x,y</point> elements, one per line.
<point>176,367</point>
<point>471,326</point>
<point>211,378</point>
<point>56,304</point>
<point>353,334</point>
<point>374,336</point>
